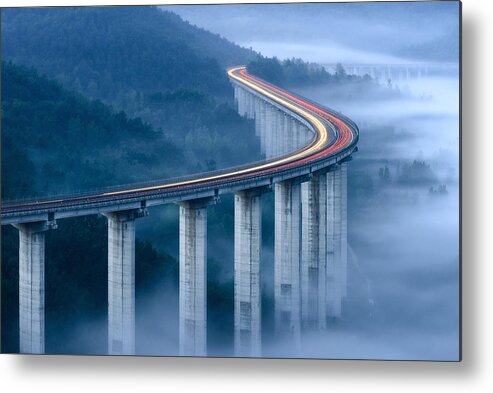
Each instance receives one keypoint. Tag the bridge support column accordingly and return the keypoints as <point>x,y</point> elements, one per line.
<point>238,98</point>
<point>278,134</point>
<point>336,239</point>
<point>236,89</point>
<point>306,134</point>
<point>287,261</point>
<point>269,131</point>
<point>247,104</point>
<point>257,106</point>
<point>297,134</point>
<point>344,226</point>
<point>272,132</point>
<point>251,105</point>
<point>241,101</point>
<point>32,286</point>
<point>274,137</point>
<point>282,141</point>
<point>294,130</point>
<point>247,283</point>
<point>121,281</point>
<point>313,256</point>
<point>247,95</point>
<point>263,126</point>
<point>193,278</point>
<point>288,131</point>
<point>302,134</point>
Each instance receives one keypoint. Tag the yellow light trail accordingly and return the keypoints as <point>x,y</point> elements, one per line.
<point>320,128</point>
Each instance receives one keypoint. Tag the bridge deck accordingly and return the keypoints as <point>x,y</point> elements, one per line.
<point>335,138</point>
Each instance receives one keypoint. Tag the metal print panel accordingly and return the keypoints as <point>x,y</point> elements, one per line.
<point>242,180</point>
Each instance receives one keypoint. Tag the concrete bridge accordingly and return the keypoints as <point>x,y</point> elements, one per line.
<point>397,72</point>
<point>306,150</point>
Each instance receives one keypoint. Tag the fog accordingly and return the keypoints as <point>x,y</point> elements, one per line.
<point>403,268</point>
<point>403,260</point>
<point>370,32</point>
<point>404,239</point>
<point>404,242</point>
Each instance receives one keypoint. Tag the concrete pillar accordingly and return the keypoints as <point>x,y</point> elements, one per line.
<point>251,106</point>
<point>236,88</point>
<point>283,148</point>
<point>269,130</point>
<point>263,126</point>
<point>193,278</point>
<point>251,102</point>
<point>238,100</point>
<point>32,286</point>
<point>266,130</point>
<point>244,103</point>
<point>121,281</point>
<point>271,123</point>
<point>336,240</point>
<point>314,251</point>
<point>245,99</point>
<point>247,104</point>
<point>296,134</point>
<point>257,106</point>
<point>344,227</point>
<point>247,282</point>
<point>278,134</point>
<point>275,133</point>
<point>248,108</point>
<point>288,124</point>
<point>287,297</point>
<point>311,135</point>
<point>307,135</point>
<point>241,101</point>
<point>302,134</point>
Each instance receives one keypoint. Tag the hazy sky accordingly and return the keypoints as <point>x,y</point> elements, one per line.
<point>347,32</point>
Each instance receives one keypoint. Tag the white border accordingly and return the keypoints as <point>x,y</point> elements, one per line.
<point>94,374</point>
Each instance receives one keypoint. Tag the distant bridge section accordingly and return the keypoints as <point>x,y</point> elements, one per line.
<point>396,72</point>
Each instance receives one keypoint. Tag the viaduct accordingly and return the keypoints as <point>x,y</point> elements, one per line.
<point>306,148</point>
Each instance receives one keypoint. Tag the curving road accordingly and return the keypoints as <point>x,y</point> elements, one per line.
<point>335,138</point>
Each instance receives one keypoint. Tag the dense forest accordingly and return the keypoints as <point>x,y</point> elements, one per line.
<point>124,55</point>
<point>59,141</point>
<point>291,73</point>
<point>110,52</point>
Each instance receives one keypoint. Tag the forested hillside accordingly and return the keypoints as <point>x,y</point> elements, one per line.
<point>151,64</point>
<point>54,140</point>
<point>125,56</point>
<point>112,52</point>
<point>293,73</point>
<point>145,62</point>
